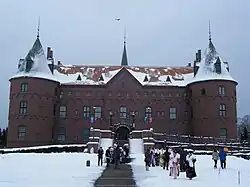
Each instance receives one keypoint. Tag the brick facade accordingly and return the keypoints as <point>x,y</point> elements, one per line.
<point>61,113</point>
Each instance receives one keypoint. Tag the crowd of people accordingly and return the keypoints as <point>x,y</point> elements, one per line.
<point>175,160</point>
<point>178,160</point>
<point>113,155</point>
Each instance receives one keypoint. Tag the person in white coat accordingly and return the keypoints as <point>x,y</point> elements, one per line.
<point>171,161</point>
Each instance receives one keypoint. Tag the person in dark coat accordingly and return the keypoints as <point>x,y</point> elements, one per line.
<point>100,156</point>
<point>183,155</point>
<point>190,160</point>
<point>223,156</point>
<point>108,156</point>
<point>147,159</point>
<point>126,149</point>
<point>166,159</point>
<point>117,156</point>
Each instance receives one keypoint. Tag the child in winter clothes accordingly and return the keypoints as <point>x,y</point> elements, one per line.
<point>215,157</point>
<point>223,156</point>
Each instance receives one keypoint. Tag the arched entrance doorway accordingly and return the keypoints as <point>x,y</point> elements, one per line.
<point>122,133</point>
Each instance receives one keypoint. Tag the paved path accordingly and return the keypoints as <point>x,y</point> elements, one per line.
<point>121,177</point>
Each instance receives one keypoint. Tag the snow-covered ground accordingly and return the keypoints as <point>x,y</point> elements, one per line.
<point>50,170</point>
<point>106,143</point>
<point>207,175</point>
<point>136,146</point>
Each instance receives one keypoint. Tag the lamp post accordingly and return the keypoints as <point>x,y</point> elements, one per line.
<point>150,131</point>
<point>111,123</point>
<point>93,135</point>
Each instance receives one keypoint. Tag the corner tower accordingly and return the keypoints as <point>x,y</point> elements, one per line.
<point>212,97</point>
<point>33,97</point>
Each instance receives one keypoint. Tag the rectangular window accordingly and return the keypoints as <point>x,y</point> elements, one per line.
<point>56,92</point>
<point>61,94</point>
<point>123,112</point>
<point>223,133</point>
<point>172,113</point>
<point>148,112</point>
<point>61,136</point>
<point>23,107</point>
<point>98,112</point>
<point>222,110</point>
<point>86,134</point>
<point>24,87</point>
<point>54,110</point>
<point>21,132</point>
<point>221,90</point>
<point>86,112</point>
<point>63,111</point>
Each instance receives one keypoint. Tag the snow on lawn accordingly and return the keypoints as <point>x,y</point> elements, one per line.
<point>206,175</point>
<point>50,170</point>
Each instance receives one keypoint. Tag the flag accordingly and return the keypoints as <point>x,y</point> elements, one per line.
<point>150,120</point>
<point>92,119</point>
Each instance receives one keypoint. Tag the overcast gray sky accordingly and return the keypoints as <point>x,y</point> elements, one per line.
<point>160,32</point>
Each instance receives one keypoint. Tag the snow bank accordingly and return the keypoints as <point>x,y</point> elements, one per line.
<point>50,170</point>
<point>136,146</point>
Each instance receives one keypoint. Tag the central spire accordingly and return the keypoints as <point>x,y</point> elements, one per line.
<point>124,61</point>
<point>38,28</point>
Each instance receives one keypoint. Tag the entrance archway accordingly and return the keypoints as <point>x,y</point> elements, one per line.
<point>122,133</point>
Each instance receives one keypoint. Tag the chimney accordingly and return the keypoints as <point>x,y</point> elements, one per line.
<point>189,64</point>
<point>227,66</point>
<point>199,55</point>
<point>196,57</point>
<point>195,68</point>
<point>50,59</point>
<point>59,63</point>
<point>20,62</point>
<point>49,53</point>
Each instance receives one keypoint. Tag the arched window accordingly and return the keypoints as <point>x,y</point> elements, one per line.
<point>148,112</point>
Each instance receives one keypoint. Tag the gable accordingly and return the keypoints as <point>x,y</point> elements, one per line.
<point>124,80</point>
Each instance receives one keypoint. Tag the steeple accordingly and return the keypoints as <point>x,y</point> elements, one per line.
<point>38,28</point>
<point>124,61</point>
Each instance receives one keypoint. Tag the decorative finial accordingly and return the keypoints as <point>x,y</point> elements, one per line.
<point>209,27</point>
<point>38,28</point>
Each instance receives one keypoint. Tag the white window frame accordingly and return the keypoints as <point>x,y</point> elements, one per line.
<point>21,132</point>
<point>98,112</point>
<point>24,87</point>
<point>23,108</point>
<point>222,110</point>
<point>63,111</point>
<point>123,112</point>
<point>172,113</point>
<point>222,90</point>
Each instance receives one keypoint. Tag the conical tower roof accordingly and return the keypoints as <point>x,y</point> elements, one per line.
<point>212,67</point>
<point>35,64</point>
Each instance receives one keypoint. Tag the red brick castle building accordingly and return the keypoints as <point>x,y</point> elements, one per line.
<point>53,103</point>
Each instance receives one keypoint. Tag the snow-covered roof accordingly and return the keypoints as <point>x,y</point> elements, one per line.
<point>35,64</point>
<point>212,67</point>
<point>100,75</point>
